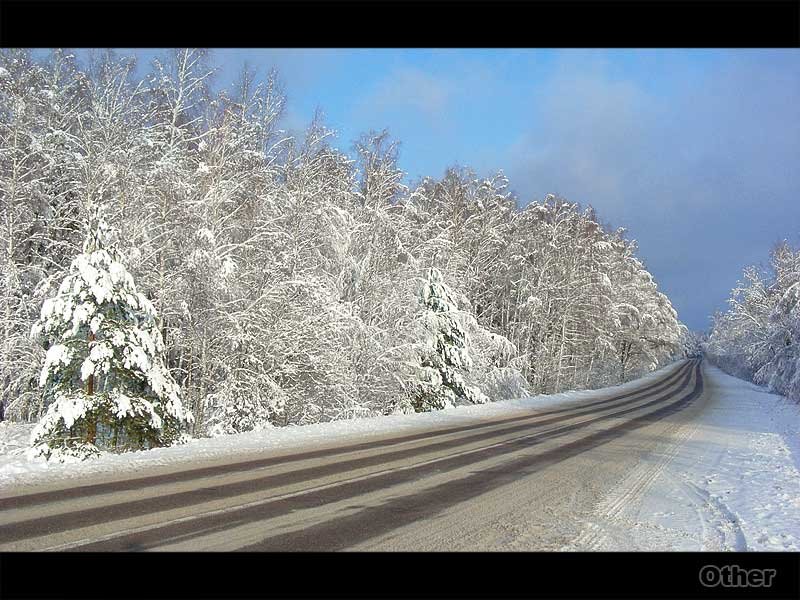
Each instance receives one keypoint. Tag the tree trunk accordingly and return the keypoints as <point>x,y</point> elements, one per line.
<point>624,360</point>
<point>91,429</point>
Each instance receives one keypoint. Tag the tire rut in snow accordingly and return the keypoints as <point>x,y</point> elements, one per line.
<point>107,513</point>
<point>610,514</point>
<point>341,532</point>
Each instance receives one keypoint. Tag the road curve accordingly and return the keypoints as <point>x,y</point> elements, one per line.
<point>524,482</point>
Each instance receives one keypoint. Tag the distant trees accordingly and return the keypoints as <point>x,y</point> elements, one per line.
<point>758,337</point>
<point>285,275</point>
<point>692,343</point>
<point>646,327</point>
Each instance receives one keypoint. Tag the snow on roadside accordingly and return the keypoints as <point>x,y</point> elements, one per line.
<point>14,438</point>
<point>757,479</point>
<point>13,446</point>
<point>729,480</point>
<point>16,469</point>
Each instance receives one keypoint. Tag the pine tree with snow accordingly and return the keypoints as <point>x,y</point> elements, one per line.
<point>445,354</point>
<point>104,376</point>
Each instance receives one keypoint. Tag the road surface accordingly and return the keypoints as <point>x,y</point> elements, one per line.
<point>527,482</point>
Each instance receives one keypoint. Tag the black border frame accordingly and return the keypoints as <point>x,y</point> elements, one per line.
<point>397,576</point>
<point>416,23</point>
<point>400,23</point>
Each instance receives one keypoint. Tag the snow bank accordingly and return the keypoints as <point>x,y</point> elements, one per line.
<point>15,469</point>
<point>728,480</point>
<point>757,478</point>
<point>14,439</point>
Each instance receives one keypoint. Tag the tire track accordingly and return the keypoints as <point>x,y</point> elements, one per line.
<point>609,513</point>
<point>340,533</point>
<point>84,491</point>
<point>65,521</point>
<point>727,533</point>
<point>369,522</point>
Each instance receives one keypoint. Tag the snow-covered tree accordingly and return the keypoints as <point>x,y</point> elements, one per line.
<point>445,351</point>
<point>692,343</point>
<point>781,368</point>
<point>103,378</point>
<point>646,329</point>
<point>758,337</point>
<point>39,213</point>
<point>284,271</point>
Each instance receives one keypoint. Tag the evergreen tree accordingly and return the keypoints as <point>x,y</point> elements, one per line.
<point>445,353</point>
<point>104,376</point>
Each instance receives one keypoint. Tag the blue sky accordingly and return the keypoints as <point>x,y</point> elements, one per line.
<point>696,152</point>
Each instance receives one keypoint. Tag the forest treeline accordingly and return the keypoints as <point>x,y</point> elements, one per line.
<point>758,337</point>
<point>292,282</point>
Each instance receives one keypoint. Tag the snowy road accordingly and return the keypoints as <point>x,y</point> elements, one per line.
<point>531,481</point>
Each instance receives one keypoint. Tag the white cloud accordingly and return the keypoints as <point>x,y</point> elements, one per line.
<point>409,87</point>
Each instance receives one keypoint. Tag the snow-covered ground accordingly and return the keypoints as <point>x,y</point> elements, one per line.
<point>14,439</point>
<point>16,469</point>
<point>728,481</point>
